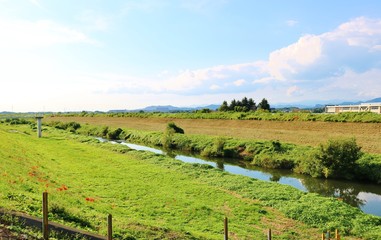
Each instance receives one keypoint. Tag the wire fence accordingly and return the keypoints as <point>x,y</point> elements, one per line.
<point>46,226</point>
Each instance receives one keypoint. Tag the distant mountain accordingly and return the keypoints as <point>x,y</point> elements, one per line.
<point>320,104</point>
<point>300,105</point>
<point>374,100</point>
<point>169,108</point>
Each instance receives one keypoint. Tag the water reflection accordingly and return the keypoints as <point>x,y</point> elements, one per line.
<point>362,195</point>
<point>332,188</point>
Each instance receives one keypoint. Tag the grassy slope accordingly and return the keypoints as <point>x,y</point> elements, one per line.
<point>149,196</point>
<point>368,135</point>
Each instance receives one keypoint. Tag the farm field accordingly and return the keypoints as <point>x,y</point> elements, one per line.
<point>156,197</point>
<point>368,135</point>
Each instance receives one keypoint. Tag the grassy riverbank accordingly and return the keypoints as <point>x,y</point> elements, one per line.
<point>304,133</point>
<point>153,196</point>
<point>268,154</point>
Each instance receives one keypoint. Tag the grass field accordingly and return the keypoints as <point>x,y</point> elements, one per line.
<point>155,197</point>
<point>368,135</point>
<point>87,182</point>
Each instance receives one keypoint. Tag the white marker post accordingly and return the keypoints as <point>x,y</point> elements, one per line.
<point>39,126</point>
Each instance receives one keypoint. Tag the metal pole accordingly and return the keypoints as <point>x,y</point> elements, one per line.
<point>45,224</point>
<point>226,232</point>
<point>109,229</point>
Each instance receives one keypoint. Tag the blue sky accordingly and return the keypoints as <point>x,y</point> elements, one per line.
<point>100,55</point>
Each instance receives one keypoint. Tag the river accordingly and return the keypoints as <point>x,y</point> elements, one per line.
<point>365,196</point>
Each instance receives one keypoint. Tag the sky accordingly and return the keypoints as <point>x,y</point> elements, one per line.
<point>76,55</point>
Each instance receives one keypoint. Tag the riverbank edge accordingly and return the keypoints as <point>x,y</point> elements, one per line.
<point>261,153</point>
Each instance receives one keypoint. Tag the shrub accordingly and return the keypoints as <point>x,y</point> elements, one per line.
<point>114,134</point>
<point>369,168</point>
<point>338,157</point>
<point>175,128</point>
<point>309,164</point>
<point>70,126</point>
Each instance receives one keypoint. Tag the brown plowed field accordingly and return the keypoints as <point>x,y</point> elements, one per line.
<point>368,135</point>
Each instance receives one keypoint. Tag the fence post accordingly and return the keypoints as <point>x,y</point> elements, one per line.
<point>269,234</point>
<point>328,235</point>
<point>322,236</point>
<point>45,224</point>
<point>109,227</point>
<point>337,235</point>
<point>226,232</point>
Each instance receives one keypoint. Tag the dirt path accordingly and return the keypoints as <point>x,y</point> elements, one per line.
<point>368,135</point>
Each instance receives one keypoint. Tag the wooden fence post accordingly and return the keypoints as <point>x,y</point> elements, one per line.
<point>45,224</point>
<point>269,234</point>
<point>226,232</point>
<point>322,236</point>
<point>337,235</point>
<point>109,227</point>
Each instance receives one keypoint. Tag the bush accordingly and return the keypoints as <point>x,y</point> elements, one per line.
<point>70,126</point>
<point>114,134</point>
<point>338,158</point>
<point>369,168</point>
<point>175,128</point>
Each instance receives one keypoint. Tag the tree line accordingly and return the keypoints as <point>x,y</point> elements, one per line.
<point>244,105</point>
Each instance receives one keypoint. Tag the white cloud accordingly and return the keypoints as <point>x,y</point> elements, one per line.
<point>362,32</point>
<point>353,45</point>
<point>291,22</point>
<point>314,65</point>
<point>341,64</point>
<point>290,59</point>
<point>363,85</point>
<point>294,90</point>
<point>214,87</point>
<point>239,82</point>
<point>29,34</point>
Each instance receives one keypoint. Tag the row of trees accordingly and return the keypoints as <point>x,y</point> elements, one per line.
<point>244,105</point>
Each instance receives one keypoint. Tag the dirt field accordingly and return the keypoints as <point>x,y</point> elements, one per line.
<point>368,135</point>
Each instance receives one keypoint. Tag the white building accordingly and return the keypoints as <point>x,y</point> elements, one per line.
<point>363,107</point>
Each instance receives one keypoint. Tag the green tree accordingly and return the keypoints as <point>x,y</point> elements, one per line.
<point>232,105</point>
<point>224,107</point>
<point>251,105</point>
<point>264,105</point>
<point>245,103</point>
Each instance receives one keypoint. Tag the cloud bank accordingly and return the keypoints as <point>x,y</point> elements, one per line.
<point>344,63</point>
<point>331,65</point>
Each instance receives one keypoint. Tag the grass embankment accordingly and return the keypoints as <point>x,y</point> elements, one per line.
<point>152,196</point>
<point>268,154</point>
<point>304,133</point>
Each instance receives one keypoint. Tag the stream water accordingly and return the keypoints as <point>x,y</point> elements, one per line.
<point>365,196</point>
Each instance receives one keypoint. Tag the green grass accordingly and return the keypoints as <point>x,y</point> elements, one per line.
<point>267,154</point>
<point>156,197</point>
